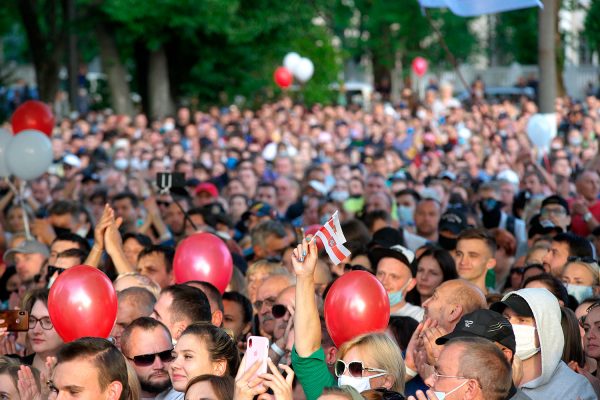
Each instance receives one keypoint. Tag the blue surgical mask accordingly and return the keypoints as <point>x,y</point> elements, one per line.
<point>396,297</point>
<point>442,395</point>
<point>405,215</point>
<point>580,292</point>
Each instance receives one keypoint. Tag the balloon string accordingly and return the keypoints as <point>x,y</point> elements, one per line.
<point>25,217</point>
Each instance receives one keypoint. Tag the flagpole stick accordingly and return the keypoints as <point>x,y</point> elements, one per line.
<point>25,217</point>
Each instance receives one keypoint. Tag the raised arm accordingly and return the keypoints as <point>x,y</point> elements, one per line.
<point>307,324</point>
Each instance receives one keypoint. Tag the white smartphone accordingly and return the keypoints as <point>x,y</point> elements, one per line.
<point>257,349</point>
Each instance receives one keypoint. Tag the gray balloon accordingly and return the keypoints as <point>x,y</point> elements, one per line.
<point>5,139</point>
<point>29,154</point>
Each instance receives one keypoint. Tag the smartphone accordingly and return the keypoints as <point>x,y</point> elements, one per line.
<point>15,320</point>
<point>257,349</point>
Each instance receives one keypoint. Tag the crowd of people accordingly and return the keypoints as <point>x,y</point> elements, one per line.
<point>486,246</point>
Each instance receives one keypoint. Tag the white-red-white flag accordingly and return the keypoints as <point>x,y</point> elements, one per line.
<point>333,239</point>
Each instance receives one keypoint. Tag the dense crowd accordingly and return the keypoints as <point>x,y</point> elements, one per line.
<point>486,246</point>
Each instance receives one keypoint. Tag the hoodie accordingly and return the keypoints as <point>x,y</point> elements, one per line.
<point>557,380</point>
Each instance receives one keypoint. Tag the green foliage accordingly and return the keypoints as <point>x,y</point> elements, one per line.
<point>592,25</point>
<point>517,36</point>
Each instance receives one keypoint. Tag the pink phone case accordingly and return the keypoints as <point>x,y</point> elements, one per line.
<point>257,349</point>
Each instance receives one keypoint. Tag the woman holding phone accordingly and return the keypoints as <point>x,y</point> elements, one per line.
<point>202,349</point>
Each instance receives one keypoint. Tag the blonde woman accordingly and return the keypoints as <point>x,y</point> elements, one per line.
<point>581,277</point>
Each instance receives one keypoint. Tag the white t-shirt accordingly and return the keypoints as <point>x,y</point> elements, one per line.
<point>409,310</point>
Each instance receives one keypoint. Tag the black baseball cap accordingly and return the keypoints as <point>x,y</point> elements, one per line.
<point>487,324</point>
<point>515,303</point>
<point>454,221</point>
<point>556,199</point>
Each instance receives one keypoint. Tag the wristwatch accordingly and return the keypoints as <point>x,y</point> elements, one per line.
<point>587,216</point>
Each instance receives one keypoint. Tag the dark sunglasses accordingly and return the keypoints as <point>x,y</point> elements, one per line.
<point>587,259</point>
<point>146,360</point>
<point>163,203</point>
<point>522,270</point>
<point>349,267</point>
<point>355,368</point>
<point>278,310</point>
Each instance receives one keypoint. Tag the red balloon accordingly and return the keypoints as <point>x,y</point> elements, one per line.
<point>82,302</point>
<point>419,66</point>
<point>33,114</point>
<point>203,257</point>
<point>356,304</point>
<point>283,77</point>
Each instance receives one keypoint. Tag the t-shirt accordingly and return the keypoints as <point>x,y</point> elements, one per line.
<point>578,225</point>
<point>409,310</point>
<point>312,373</point>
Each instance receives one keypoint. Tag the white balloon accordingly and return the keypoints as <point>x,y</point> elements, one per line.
<point>5,138</point>
<point>29,154</point>
<point>291,60</point>
<point>541,130</point>
<point>304,70</point>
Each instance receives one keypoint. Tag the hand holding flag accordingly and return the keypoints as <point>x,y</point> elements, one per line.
<point>333,239</point>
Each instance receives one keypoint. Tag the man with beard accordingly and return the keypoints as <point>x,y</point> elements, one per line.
<point>146,343</point>
<point>493,216</point>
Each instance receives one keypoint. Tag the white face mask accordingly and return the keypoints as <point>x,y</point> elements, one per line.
<point>580,292</point>
<point>360,384</point>
<point>525,338</point>
<point>442,395</point>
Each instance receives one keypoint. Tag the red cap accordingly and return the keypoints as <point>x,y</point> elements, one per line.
<point>207,187</point>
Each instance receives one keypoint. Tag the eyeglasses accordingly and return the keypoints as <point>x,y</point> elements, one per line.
<point>146,360</point>
<point>523,270</point>
<point>268,302</point>
<point>163,203</point>
<point>587,259</point>
<point>437,375</point>
<point>45,322</point>
<point>553,211</point>
<point>278,310</point>
<point>355,368</point>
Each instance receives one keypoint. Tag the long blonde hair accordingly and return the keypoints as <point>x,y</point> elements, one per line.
<point>385,354</point>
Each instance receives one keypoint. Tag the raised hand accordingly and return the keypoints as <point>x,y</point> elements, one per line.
<point>282,387</point>
<point>304,258</point>
<point>27,384</point>
<point>247,384</point>
<point>105,220</point>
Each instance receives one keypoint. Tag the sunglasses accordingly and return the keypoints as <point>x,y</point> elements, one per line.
<point>522,270</point>
<point>146,360</point>
<point>52,270</point>
<point>349,267</point>
<point>587,259</point>
<point>278,310</point>
<point>355,368</point>
<point>163,203</point>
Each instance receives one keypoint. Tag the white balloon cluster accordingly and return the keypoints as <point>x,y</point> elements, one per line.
<point>26,155</point>
<point>301,67</point>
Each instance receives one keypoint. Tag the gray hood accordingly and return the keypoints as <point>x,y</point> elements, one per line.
<point>546,312</point>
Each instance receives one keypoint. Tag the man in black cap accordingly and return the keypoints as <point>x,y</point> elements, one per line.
<point>494,327</point>
<point>452,223</point>
<point>394,269</point>
<point>555,210</point>
<point>541,229</point>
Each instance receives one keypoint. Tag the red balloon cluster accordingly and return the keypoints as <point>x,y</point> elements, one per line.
<point>203,257</point>
<point>34,115</point>
<point>82,302</point>
<point>419,66</point>
<point>283,77</point>
<point>356,304</point>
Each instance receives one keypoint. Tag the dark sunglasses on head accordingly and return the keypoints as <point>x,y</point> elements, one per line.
<point>355,368</point>
<point>587,259</point>
<point>522,270</point>
<point>349,267</point>
<point>145,360</point>
<point>278,310</point>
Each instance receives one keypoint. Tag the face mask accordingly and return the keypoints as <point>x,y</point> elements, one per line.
<point>168,126</point>
<point>525,338</point>
<point>83,231</point>
<point>231,163</point>
<point>447,243</point>
<point>360,384</point>
<point>339,195</point>
<point>442,395</point>
<point>575,141</point>
<point>580,292</point>
<point>121,164</point>
<point>405,215</point>
<point>491,210</point>
<point>396,297</point>
<point>325,218</point>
